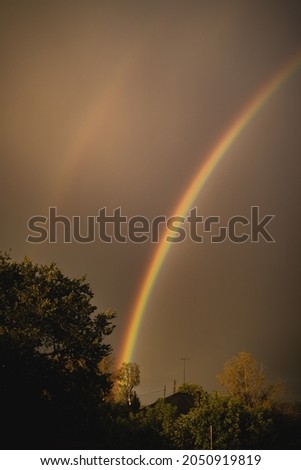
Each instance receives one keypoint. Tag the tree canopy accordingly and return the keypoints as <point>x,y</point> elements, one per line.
<point>128,377</point>
<point>243,379</point>
<point>51,344</point>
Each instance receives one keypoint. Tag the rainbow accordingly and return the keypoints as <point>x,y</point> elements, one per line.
<point>218,152</point>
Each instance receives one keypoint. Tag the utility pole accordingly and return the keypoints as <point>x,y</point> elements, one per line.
<point>184,359</point>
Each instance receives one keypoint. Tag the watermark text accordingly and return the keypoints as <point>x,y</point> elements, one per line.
<point>117,227</point>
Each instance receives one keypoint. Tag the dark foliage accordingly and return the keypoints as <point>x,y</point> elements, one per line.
<point>55,395</point>
<point>51,344</point>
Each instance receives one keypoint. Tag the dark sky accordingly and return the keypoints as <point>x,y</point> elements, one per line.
<point>116,104</point>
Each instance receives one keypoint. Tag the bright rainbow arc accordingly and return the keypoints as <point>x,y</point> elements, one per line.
<point>198,182</point>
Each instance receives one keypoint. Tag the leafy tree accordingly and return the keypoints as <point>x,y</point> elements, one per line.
<point>192,431</point>
<point>128,377</point>
<point>234,425</point>
<point>159,420</point>
<point>257,427</point>
<point>51,344</point>
<point>243,379</point>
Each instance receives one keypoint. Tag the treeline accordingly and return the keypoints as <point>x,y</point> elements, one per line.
<point>217,422</point>
<point>58,390</point>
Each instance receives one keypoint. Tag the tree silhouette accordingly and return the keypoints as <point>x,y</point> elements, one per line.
<point>51,345</point>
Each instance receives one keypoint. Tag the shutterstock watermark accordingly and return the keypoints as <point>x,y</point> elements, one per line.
<point>116,227</point>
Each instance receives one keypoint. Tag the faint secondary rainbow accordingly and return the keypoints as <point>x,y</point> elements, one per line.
<point>197,183</point>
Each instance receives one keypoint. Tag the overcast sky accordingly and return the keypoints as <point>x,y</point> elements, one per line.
<point>116,104</point>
